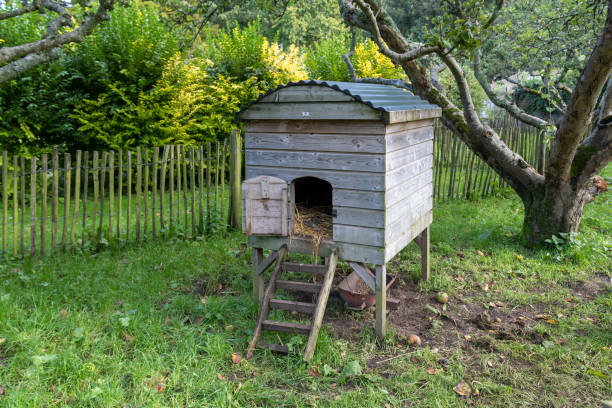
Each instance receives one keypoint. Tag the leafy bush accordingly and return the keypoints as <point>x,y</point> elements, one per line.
<point>478,95</point>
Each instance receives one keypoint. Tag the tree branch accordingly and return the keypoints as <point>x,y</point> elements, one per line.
<point>504,102</point>
<point>20,11</point>
<point>20,58</point>
<point>575,122</point>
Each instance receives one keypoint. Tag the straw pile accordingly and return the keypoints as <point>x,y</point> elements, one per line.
<point>314,223</point>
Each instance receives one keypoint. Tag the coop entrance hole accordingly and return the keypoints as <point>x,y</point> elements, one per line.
<point>312,199</point>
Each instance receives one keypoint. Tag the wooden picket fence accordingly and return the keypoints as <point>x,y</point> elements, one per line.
<point>459,173</point>
<point>58,202</point>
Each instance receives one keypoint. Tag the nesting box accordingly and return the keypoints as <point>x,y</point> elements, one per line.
<point>363,151</point>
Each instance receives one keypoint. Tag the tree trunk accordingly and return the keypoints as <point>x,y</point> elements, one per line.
<point>552,210</point>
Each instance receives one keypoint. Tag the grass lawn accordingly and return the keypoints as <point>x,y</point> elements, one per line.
<point>156,325</point>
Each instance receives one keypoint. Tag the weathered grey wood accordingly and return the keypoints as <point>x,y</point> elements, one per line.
<point>408,171</point>
<point>258,280</point>
<point>277,348</point>
<point>360,217</point>
<point>316,160</point>
<point>408,187</point>
<point>286,327</point>
<point>307,94</point>
<point>358,199</point>
<point>319,311</point>
<point>395,231</point>
<point>320,142</point>
<point>356,180</point>
<point>346,251</point>
<point>408,205</point>
<point>407,155</point>
<point>392,248</point>
<point>318,270</point>
<point>425,248</point>
<point>406,138</point>
<point>365,274</point>
<point>262,265</point>
<point>319,127</point>
<point>264,206</point>
<point>403,126</point>
<point>33,206</point>
<point>265,302</point>
<point>381,302</point>
<point>300,307</point>
<point>311,111</point>
<point>297,286</point>
<point>359,235</point>
<point>411,115</point>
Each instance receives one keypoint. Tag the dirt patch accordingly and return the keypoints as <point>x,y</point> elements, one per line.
<point>463,321</point>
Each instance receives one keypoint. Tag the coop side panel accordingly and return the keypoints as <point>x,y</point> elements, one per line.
<point>408,186</point>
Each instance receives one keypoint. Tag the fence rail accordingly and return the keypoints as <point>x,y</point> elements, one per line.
<point>58,201</point>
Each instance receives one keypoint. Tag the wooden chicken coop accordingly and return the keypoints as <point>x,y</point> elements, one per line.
<point>343,170</point>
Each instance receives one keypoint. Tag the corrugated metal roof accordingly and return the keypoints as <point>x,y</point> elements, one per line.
<point>384,98</point>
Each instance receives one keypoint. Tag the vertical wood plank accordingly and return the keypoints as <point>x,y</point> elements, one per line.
<point>43,202</point>
<point>171,181</point>
<point>5,164</point>
<point>200,188</point>
<point>128,215</point>
<point>54,194</point>
<point>185,187</point>
<point>67,192</point>
<point>217,179</point>
<point>425,249</point>
<point>193,210</point>
<point>33,206</point>
<point>138,190</point>
<point>102,190</point>
<point>77,191</point>
<point>119,193</point>
<point>222,214</point>
<point>208,176</point>
<point>235,175</point>
<point>258,279</point>
<point>381,302</point>
<point>15,206</point>
<point>111,192</point>
<point>96,192</point>
<point>162,188</point>
<point>145,192</point>
<point>178,185</point>
<point>23,209</point>
<point>154,192</point>
<point>85,191</point>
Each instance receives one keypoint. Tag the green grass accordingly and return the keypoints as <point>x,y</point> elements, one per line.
<point>155,325</point>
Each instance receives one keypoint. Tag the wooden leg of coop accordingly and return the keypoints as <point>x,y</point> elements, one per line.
<point>425,269</point>
<point>258,280</point>
<point>381,302</point>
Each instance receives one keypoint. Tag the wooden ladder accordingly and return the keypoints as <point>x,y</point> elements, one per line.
<point>317,310</point>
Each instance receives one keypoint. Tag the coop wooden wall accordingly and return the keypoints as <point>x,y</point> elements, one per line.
<point>408,183</point>
<point>349,155</point>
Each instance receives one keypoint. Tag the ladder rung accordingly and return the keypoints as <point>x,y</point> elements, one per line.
<point>301,307</point>
<point>297,286</point>
<point>277,348</point>
<point>318,270</point>
<point>286,327</point>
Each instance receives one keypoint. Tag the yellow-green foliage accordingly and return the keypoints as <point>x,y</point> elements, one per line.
<point>283,66</point>
<point>370,63</point>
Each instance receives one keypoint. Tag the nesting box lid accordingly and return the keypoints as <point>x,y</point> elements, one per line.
<point>329,100</point>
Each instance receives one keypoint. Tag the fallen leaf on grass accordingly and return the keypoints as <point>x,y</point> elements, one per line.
<point>463,389</point>
<point>236,358</point>
<point>431,370</point>
<point>542,317</point>
<point>479,252</point>
<point>220,377</point>
<point>314,371</point>
<point>2,340</point>
<point>160,388</point>
<point>414,360</point>
<point>127,337</point>
<point>552,321</point>
<point>63,312</point>
<point>1,390</point>
<point>490,363</point>
<point>485,287</point>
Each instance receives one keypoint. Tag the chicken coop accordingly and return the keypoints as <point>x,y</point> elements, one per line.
<point>338,168</point>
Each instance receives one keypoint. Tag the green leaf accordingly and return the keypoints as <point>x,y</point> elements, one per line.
<point>43,359</point>
<point>350,370</point>
<point>78,334</point>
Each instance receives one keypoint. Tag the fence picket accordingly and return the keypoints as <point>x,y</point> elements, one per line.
<point>129,194</point>
<point>15,206</point>
<point>102,189</point>
<point>119,193</point>
<point>33,206</point>
<point>208,160</point>
<point>217,179</point>
<point>4,200</point>
<point>162,188</point>
<point>201,185</point>
<point>23,209</point>
<point>193,210</point>
<point>43,202</point>
<point>185,205</point>
<point>111,192</point>
<point>138,190</point>
<point>67,185</point>
<point>96,193</point>
<point>154,192</point>
<point>146,190</point>
<point>54,195</point>
<point>77,188</point>
<point>222,215</point>
<point>85,190</point>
